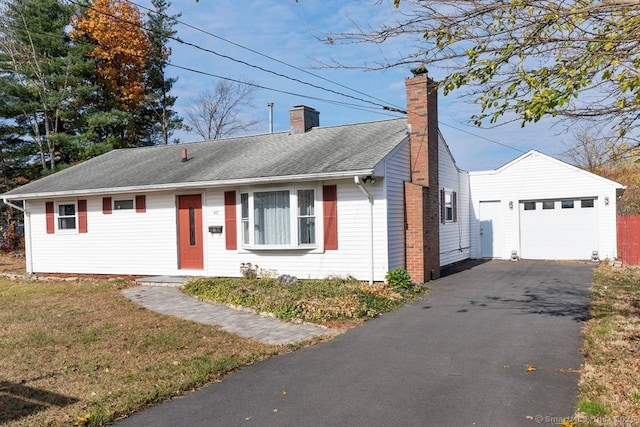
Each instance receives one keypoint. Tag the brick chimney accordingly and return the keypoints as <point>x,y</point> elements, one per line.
<point>303,118</point>
<point>422,228</point>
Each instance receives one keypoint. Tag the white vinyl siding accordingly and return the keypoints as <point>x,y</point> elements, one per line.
<point>454,236</point>
<point>397,172</point>
<point>151,245</point>
<point>153,248</point>
<point>537,177</point>
<point>351,257</point>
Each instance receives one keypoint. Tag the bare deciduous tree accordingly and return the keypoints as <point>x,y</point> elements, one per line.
<point>221,112</point>
<point>523,59</point>
<point>596,149</point>
<point>593,148</point>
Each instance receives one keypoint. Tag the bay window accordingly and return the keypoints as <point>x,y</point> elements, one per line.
<point>268,219</point>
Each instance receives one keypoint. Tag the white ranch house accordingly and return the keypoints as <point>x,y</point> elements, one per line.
<point>359,199</point>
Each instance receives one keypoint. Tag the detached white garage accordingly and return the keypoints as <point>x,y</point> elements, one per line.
<point>538,207</point>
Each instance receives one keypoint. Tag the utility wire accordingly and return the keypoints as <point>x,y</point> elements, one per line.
<point>178,40</point>
<point>482,137</point>
<point>390,107</point>
<point>193,27</point>
<point>329,101</point>
<point>196,71</point>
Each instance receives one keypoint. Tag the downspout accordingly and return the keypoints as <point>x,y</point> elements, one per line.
<point>27,234</point>
<point>358,182</point>
<point>8,203</point>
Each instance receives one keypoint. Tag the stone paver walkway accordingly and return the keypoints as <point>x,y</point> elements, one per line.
<point>170,300</point>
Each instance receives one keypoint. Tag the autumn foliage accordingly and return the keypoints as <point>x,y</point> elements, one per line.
<point>122,47</point>
<point>627,174</point>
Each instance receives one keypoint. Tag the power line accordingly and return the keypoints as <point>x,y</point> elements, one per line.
<point>329,101</point>
<point>178,40</point>
<point>197,71</point>
<point>482,137</point>
<point>262,54</point>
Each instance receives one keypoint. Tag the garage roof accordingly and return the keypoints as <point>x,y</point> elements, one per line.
<point>534,153</point>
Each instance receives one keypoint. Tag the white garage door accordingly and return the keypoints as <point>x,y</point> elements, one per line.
<point>558,229</point>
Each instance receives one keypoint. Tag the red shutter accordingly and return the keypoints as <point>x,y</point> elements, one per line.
<point>443,207</point>
<point>231,229</point>
<point>82,216</point>
<point>454,202</point>
<point>330,210</point>
<point>106,205</point>
<point>51,225</point>
<point>141,204</point>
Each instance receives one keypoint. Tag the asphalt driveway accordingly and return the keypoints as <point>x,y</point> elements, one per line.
<point>457,357</point>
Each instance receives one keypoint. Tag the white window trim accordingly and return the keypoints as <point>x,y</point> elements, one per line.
<point>121,199</point>
<point>57,217</point>
<point>448,192</point>
<point>297,217</point>
<point>317,247</point>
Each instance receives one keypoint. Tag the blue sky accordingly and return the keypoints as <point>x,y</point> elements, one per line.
<point>293,33</point>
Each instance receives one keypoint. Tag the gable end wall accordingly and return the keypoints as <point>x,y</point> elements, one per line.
<point>537,177</point>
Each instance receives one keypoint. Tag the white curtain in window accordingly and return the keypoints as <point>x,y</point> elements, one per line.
<point>272,219</point>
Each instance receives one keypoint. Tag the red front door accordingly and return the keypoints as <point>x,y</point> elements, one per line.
<point>190,231</point>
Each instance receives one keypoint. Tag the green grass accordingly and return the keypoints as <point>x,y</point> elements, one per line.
<point>329,300</point>
<point>592,408</point>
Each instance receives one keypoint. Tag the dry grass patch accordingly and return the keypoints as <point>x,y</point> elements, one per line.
<point>12,262</point>
<point>81,353</point>
<point>610,382</point>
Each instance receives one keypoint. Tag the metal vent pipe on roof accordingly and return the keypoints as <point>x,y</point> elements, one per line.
<point>270,105</point>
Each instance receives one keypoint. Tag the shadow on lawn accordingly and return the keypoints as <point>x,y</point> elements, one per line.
<point>18,401</point>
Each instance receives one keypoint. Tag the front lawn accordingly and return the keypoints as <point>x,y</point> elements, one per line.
<point>610,381</point>
<point>80,353</point>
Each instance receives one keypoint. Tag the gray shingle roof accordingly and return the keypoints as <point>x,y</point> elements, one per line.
<point>320,151</point>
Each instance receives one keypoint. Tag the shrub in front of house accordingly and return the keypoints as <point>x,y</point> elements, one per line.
<point>331,299</point>
<point>399,279</point>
